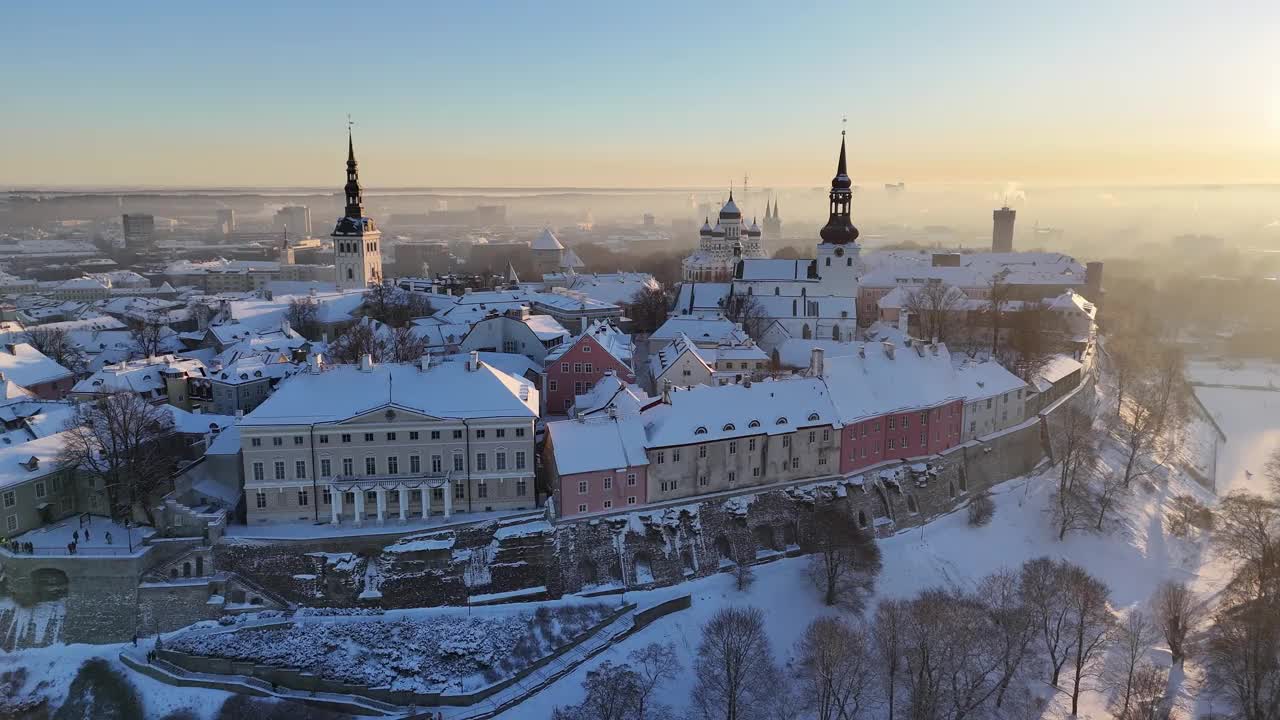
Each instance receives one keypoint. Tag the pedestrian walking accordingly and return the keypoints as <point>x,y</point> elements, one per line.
<point>135,639</point>
<point>71,548</point>
<point>108,536</point>
<point>86,534</point>
<point>75,536</point>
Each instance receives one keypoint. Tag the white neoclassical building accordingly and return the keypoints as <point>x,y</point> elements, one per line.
<point>378,443</point>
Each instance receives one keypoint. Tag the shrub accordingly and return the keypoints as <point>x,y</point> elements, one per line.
<point>981,509</point>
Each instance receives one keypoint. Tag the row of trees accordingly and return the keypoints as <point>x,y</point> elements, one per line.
<point>944,653</point>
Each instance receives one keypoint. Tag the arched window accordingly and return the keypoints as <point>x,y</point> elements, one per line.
<point>753,424</point>
<point>729,427</point>
<point>805,332</point>
<point>835,333</point>
<point>781,421</point>
<point>700,431</point>
<point>813,416</point>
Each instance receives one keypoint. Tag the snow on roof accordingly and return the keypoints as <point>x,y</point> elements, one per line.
<point>610,390</point>
<point>138,376</point>
<point>597,443</point>
<point>16,466</point>
<point>980,380</point>
<point>545,327</point>
<point>704,331</point>
<point>445,390</point>
<point>607,335</point>
<point>226,442</point>
<point>11,392</point>
<point>190,423</point>
<point>1060,367</point>
<point>1071,301</point>
<point>662,360</point>
<point>512,364</point>
<point>772,269</point>
<point>27,366</point>
<point>696,296</point>
<point>706,413</point>
<point>547,241</point>
<point>609,288</point>
<point>886,378</point>
<point>253,369</point>
<point>570,259</point>
<point>44,417</point>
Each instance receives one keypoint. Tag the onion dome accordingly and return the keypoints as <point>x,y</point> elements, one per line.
<point>839,229</point>
<point>706,227</point>
<point>730,210</point>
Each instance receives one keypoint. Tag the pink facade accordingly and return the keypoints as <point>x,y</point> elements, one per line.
<point>601,491</point>
<point>578,370</point>
<point>898,436</point>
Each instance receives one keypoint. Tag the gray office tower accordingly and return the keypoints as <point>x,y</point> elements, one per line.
<point>1002,231</point>
<point>139,229</point>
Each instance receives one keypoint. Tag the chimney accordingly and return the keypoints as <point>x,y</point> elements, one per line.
<point>475,360</point>
<point>903,316</point>
<point>425,363</point>
<point>366,363</point>
<point>239,415</point>
<point>666,392</point>
<point>285,327</point>
<point>815,362</point>
<point>466,291</point>
<point>888,348</point>
<point>613,411</point>
<point>312,291</point>
<point>862,351</point>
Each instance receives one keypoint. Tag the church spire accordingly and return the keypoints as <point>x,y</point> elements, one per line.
<point>355,197</point>
<point>839,229</point>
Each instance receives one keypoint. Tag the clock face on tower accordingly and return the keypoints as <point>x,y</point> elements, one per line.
<point>839,252</point>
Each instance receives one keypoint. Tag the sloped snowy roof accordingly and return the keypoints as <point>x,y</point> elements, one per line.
<point>979,380</point>
<point>138,376</point>
<point>27,366</point>
<point>878,382</point>
<point>1060,367</point>
<point>611,390</point>
<point>547,241</point>
<point>190,423</point>
<point>706,412</point>
<point>597,443</point>
<point>570,259</point>
<point>15,460</point>
<point>446,390</point>
<point>702,330</point>
<point>772,269</point>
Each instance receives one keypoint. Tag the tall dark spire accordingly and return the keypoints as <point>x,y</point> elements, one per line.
<point>355,198</point>
<point>839,229</point>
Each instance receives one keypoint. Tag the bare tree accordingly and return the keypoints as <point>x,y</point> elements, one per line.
<point>611,692</point>
<point>1092,622</point>
<point>1147,700</point>
<point>1247,533</point>
<point>1027,351</point>
<point>654,665</point>
<point>1241,654</point>
<point>393,306</point>
<point>363,338</point>
<point>836,668</point>
<point>120,440</point>
<point>404,346</point>
<point>748,312</point>
<point>303,315</point>
<point>734,668</point>
<point>148,334</point>
<point>1176,612</point>
<point>1040,582</point>
<point>1075,445</point>
<point>1271,469</point>
<point>1127,352</point>
<point>1012,623</point>
<point>648,308</point>
<point>57,345</point>
<point>1136,428</point>
<point>844,560</point>
<point>1134,637</point>
<point>1186,513</point>
<point>981,509</point>
<point>998,299</point>
<point>953,660</point>
<point>938,308</point>
<point>888,633</point>
<point>743,575</point>
<point>1110,487</point>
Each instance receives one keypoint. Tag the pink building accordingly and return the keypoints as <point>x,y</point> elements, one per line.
<point>597,464</point>
<point>576,366</point>
<point>901,435</point>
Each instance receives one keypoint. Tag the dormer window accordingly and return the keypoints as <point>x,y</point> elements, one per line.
<point>813,416</point>
<point>729,428</point>
<point>753,424</point>
<point>700,431</point>
<point>780,421</point>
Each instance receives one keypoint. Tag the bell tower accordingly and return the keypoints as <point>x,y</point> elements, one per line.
<point>357,243</point>
<point>839,264</point>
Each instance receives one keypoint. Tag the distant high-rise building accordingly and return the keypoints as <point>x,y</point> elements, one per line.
<point>1002,231</point>
<point>226,221</point>
<point>357,243</point>
<point>139,229</point>
<point>296,219</point>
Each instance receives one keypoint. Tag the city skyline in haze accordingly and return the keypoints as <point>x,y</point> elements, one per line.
<point>660,95</point>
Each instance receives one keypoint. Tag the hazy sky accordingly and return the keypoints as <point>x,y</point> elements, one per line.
<point>639,94</point>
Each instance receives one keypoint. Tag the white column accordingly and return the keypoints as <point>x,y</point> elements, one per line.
<point>335,504</point>
<point>359,495</point>
<point>448,499</point>
<point>404,504</point>
<point>382,505</point>
<point>426,501</point>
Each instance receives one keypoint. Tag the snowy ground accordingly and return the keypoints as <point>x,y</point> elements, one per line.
<point>53,539</point>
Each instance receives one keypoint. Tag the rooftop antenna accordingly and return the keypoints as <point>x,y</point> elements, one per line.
<point>746,184</point>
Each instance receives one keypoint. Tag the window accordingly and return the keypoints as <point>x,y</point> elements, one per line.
<point>924,417</point>
<point>733,447</point>
<point>435,434</point>
<point>552,385</point>
<point>608,504</point>
<point>480,434</point>
<point>261,499</point>
<point>370,466</point>
<point>924,438</point>
<point>755,472</point>
<point>582,508</point>
<point>733,476</point>
<point>891,443</point>
<point>482,490</point>
<point>457,462</point>
<point>813,436</point>
<point>297,439</point>
<point>300,469</point>
<point>786,441</point>
<point>368,437</point>
<point>988,403</point>
<point>326,467</point>
<point>348,467</point>
<point>519,432</point>
<point>40,491</point>
<point>393,465</point>
<point>11,523</point>
<point>500,432</point>
<point>587,368</point>
<point>413,434</point>
<point>586,348</point>
<point>256,442</point>
<point>608,483</point>
<point>324,439</point>
<point>415,464</point>
<point>482,461</point>
<point>457,434</point>
<point>519,459</point>
<point>751,445</point>
<point>459,492</point>
<point>522,487</point>
<point>795,463</point>
<point>564,367</point>
<point>436,465</point>
<point>660,457</point>
<point>327,497</point>
<point>346,437</point>
<point>582,487</point>
<point>304,499</point>
<point>826,435</point>
<point>631,479</point>
<point>822,459</point>
<point>277,441</point>
<point>279,468</point>
<point>973,426</point>
<point>700,431</point>
<point>675,455</point>
<point>892,424</point>
<point>391,437</point>
<point>371,497</point>
<point>906,423</point>
<point>631,499</point>
<point>702,451</point>
<point>577,368</point>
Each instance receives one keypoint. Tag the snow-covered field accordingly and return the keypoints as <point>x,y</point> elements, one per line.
<point>448,651</point>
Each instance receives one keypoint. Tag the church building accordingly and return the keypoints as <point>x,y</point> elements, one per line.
<point>357,243</point>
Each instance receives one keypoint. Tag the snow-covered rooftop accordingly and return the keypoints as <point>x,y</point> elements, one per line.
<point>547,240</point>
<point>27,366</point>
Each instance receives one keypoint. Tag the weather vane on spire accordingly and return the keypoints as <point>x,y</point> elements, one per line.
<point>844,123</point>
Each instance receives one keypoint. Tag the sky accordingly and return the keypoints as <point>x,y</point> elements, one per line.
<point>651,94</point>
